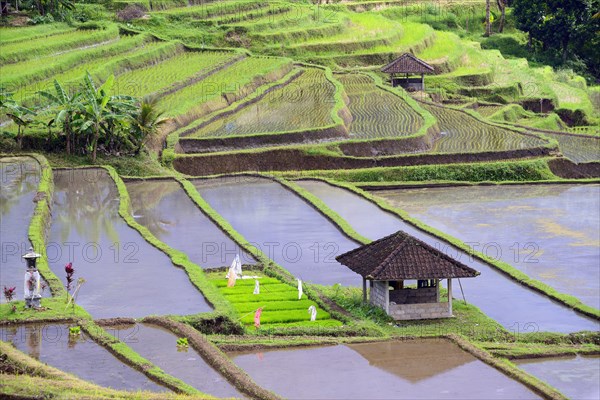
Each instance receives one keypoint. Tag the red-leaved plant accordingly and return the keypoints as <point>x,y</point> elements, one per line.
<point>9,293</point>
<point>70,271</point>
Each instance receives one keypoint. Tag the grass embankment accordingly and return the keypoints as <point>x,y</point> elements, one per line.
<point>351,327</point>
<point>509,270</point>
<point>498,171</point>
<point>130,357</point>
<point>25,377</point>
<point>222,308</point>
<point>55,310</point>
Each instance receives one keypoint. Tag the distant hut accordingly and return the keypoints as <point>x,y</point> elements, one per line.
<point>408,64</point>
<point>388,262</point>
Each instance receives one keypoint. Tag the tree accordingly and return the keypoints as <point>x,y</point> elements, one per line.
<point>146,122</point>
<point>67,105</point>
<point>101,113</point>
<point>557,24</point>
<point>21,116</point>
<point>488,24</point>
<point>502,7</point>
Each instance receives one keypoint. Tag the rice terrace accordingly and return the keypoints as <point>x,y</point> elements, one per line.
<point>304,199</point>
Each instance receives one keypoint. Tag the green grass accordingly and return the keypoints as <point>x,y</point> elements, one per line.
<point>14,52</point>
<point>21,34</point>
<point>446,53</point>
<point>377,113</point>
<point>26,72</point>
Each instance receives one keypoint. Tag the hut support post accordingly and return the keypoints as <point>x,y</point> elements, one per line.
<point>423,82</point>
<point>450,296</point>
<point>364,290</point>
<point>387,297</point>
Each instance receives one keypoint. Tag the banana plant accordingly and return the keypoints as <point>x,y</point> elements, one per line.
<point>66,105</point>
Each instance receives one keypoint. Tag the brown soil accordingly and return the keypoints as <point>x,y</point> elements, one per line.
<point>567,169</point>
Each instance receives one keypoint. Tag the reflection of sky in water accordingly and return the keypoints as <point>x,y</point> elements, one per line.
<point>166,210</point>
<point>433,369</point>
<point>124,275</point>
<point>577,377</point>
<point>81,356</point>
<point>287,229</point>
<point>511,304</point>
<point>550,232</point>
<point>159,346</point>
<point>19,179</point>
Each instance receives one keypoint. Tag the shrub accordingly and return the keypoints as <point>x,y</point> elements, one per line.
<point>91,25</point>
<point>131,12</point>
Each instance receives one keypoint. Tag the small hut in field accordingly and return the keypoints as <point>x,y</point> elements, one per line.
<point>406,65</point>
<point>388,262</point>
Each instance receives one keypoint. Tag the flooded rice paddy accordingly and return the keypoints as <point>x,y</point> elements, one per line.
<point>511,304</point>
<point>124,275</point>
<point>550,232</point>
<point>165,209</point>
<point>19,180</point>
<point>159,346</point>
<point>81,356</point>
<point>419,369</point>
<point>576,377</point>
<point>283,226</point>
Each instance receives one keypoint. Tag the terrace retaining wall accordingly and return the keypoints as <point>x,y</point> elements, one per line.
<point>279,159</point>
<point>567,169</point>
<point>197,145</point>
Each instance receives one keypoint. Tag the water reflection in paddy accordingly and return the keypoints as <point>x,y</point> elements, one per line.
<point>420,369</point>
<point>550,232</point>
<point>576,377</point>
<point>125,276</point>
<point>159,346</point>
<point>287,229</point>
<point>81,356</point>
<point>166,210</point>
<point>19,180</point>
<point>513,305</point>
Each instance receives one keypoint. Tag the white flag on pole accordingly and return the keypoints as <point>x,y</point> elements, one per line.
<point>299,289</point>
<point>256,287</point>
<point>235,268</point>
<point>312,310</point>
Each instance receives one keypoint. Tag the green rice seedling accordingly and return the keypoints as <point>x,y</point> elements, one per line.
<point>304,103</point>
<point>265,288</point>
<point>243,308</point>
<point>269,316</point>
<point>22,34</point>
<point>263,296</point>
<point>245,282</point>
<point>234,81</point>
<point>156,77</point>
<point>15,52</point>
<point>377,113</point>
<point>578,148</point>
<point>462,133</point>
<point>327,323</point>
<point>213,10</point>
